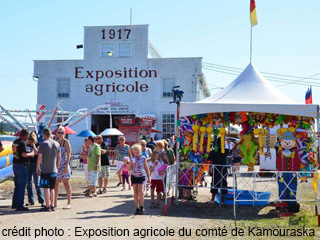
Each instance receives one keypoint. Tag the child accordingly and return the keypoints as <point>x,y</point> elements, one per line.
<point>156,178</point>
<point>125,173</point>
<point>138,165</point>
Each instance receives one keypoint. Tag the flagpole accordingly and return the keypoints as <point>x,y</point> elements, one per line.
<point>251,44</point>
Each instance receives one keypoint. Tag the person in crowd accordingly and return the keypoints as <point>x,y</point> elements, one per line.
<point>146,152</point>
<point>20,161</point>
<point>49,158</point>
<point>172,142</point>
<point>138,166</point>
<point>33,145</point>
<point>156,178</point>
<point>228,146</point>
<point>125,173</point>
<point>219,172</point>
<point>105,165</point>
<point>170,153</point>
<point>1,147</point>
<point>151,144</point>
<point>94,165</point>
<point>236,158</point>
<point>171,158</point>
<point>277,145</point>
<point>163,153</point>
<point>122,150</point>
<point>164,158</point>
<point>83,156</point>
<point>64,173</point>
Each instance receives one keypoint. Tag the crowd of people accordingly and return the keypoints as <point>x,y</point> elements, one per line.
<point>45,165</point>
<point>141,167</point>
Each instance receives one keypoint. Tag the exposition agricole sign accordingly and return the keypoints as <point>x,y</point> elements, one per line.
<point>99,76</point>
<point>105,80</point>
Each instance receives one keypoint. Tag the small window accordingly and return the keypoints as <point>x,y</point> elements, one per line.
<point>63,88</point>
<point>168,125</point>
<point>106,50</point>
<point>124,50</point>
<point>168,84</point>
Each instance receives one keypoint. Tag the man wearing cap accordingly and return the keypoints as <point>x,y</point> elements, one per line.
<point>20,161</point>
<point>288,160</point>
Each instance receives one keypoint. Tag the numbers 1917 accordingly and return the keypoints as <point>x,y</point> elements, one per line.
<point>119,34</point>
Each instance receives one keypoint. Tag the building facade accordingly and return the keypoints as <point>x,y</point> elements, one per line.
<point>121,68</point>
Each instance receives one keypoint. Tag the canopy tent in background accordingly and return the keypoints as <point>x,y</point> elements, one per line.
<point>86,133</point>
<point>249,92</point>
<point>67,129</point>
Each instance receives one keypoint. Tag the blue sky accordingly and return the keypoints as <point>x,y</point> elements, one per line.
<point>286,40</point>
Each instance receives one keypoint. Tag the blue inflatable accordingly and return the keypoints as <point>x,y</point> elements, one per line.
<point>6,173</point>
<point>6,161</point>
<point>6,158</point>
<point>246,198</point>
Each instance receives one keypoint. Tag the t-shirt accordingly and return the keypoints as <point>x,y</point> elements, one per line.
<point>122,152</point>
<point>151,145</point>
<point>216,157</point>
<point>83,154</point>
<point>49,150</point>
<point>18,147</point>
<point>104,157</point>
<point>155,173</point>
<point>35,157</point>
<point>146,153</point>
<point>170,154</point>
<point>125,168</point>
<point>137,166</point>
<point>93,152</point>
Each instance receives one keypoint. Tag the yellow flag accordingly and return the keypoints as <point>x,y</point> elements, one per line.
<point>253,13</point>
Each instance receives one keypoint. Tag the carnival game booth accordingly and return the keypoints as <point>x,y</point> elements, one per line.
<point>136,128</point>
<point>255,105</point>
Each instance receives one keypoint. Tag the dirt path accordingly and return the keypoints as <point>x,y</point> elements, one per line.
<point>115,210</point>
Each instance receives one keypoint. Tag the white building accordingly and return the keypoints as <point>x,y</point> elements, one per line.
<point>120,67</point>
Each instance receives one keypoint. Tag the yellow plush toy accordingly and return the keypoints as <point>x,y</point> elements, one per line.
<point>260,132</point>
<point>222,132</point>
<point>195,129</point>
<point>203,131</point>
<point>210,131</point>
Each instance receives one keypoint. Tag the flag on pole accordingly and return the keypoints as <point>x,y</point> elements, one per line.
<point>253,13</point>
<point>309,96</point>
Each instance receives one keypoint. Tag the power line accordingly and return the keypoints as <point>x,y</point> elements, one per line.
<point>276,74</point>
<point>273,79</point>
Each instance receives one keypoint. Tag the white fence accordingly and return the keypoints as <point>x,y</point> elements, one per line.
<point>259,187</point>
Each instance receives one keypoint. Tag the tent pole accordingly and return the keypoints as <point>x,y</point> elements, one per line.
<point>251,44</point>
<point>318,135</point>
<point>177,151</point>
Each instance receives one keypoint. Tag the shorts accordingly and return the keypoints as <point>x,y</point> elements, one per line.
<point>105,172</point>
<point>157,184</point>
<point>236,159</point>
<point>86,174</point>
<point>48,180</point>
<point>119,165</point>
<point>137,180</point>
<point>93,178</point>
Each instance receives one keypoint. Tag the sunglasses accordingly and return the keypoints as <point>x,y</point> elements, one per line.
<point>97,138</point>
<point>60,132</point>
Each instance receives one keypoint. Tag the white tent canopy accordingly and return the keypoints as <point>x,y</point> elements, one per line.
<point>250,92</point>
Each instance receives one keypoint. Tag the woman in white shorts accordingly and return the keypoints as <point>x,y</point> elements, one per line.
<point>122,150</point>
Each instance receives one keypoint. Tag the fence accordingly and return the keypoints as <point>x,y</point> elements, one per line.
<point>77,164</point>
<point>258,187</point>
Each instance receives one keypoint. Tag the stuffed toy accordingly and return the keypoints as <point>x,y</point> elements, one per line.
<point>248,149</point>
<point>288,160</point>
<point>195,129</point>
